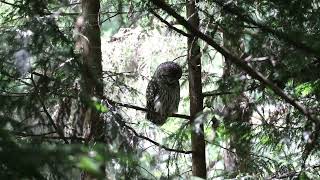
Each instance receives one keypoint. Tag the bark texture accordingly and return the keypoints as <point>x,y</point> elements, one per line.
<point>89,43</point>
<point>196,99</point>
<point>92,85</point>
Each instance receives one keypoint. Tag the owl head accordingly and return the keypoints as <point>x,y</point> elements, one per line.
<point>168,72</point>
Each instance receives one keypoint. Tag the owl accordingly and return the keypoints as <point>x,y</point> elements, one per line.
<point>163,92</point>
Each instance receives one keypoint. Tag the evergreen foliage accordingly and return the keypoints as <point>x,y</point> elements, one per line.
<point>250,131</point>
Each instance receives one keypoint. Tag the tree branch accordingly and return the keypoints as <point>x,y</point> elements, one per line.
<point>168,24</point>
<point>45,136</point>
<point>213,93</point>
<point>33,135</point>
<point>156,143</point>
<point>56,128</point>
<point>10,4</point>
<point>182,116</point>
<point>216,93</point>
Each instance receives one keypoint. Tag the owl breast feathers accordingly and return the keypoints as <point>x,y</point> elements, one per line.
<point>163,92</point>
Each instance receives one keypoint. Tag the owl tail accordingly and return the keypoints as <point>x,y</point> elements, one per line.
<point>156,118</point>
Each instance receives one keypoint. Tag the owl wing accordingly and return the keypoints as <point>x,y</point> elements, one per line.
<point>152,91</point>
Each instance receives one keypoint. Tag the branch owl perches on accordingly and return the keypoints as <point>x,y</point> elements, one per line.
<point>163,92</point>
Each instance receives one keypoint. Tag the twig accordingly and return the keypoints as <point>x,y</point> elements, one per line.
<point>206,94</point>
<point>147,172</point>
<point>49,137</point>
<point>11,4</point>
<point>108,18</point>
<point>56,128</point>
<point>168,24</point>
<point>215,93</point>
<point>33,135</point>
<point>179,57</point>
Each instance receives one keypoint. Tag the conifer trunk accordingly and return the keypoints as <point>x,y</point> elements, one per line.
<point>91,72</point>
<point>196,99</point>
<point>92,86</point>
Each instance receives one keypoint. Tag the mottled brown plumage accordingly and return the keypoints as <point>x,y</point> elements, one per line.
<point>163,92</point>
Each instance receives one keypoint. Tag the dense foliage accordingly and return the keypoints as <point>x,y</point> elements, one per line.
<point>253,127</point>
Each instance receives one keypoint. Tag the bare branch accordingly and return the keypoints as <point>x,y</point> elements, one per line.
<point>182,116</point>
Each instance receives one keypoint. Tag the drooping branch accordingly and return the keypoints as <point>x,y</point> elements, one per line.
<point>156,143</point>
<point>235,60</point>
<point>46,136</point>
<point>44,108</point>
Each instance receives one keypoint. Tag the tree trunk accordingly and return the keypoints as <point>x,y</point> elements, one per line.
<point>91,72</point>
<point>92,85</point>
<point>196,99</point>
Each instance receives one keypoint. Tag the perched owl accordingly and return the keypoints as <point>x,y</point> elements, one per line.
<point>163,92</point>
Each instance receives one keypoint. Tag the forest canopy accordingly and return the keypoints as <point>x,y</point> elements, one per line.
<point>74,76</point>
